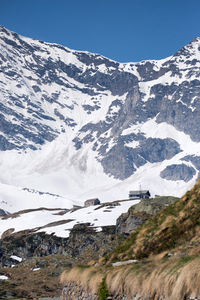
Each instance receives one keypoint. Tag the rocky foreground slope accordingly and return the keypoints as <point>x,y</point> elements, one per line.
<point>160,259</point>
<point>80,125</point>
<point>36,253</point>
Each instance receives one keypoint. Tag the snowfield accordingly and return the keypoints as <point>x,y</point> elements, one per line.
<point>68,177</point>
<point>60,221</point>
<point>75,125</point>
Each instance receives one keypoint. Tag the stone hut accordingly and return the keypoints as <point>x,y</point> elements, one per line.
<point>139,194</point>
<point>91,202</point>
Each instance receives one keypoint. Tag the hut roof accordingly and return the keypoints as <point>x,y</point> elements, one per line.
<point>139,192</point>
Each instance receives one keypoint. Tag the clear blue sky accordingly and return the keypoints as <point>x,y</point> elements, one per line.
<point>124,30</point>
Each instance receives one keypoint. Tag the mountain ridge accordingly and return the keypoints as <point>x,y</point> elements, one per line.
<point>119,121</point>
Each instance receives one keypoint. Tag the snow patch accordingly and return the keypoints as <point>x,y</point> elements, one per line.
<point>3,277</point>
<point>19,259</point>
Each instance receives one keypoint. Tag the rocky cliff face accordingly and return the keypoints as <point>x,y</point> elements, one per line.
<point>141,212</point>
<point>124,116</point>
<point>83,244</point>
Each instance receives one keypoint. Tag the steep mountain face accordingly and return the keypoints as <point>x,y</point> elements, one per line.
<point>82,113</point>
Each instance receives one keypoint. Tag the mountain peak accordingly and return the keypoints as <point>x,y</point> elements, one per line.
<point>191,49</point>
<point>195,42</point>
<point>196,39</point>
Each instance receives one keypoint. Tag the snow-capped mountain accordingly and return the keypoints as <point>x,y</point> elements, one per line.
<point>80,125</point>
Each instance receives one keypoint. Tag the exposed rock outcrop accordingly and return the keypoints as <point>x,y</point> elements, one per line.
<point>141,212</point>
<point>83,242</point>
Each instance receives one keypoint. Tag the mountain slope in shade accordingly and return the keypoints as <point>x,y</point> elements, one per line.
<point>80,125</point>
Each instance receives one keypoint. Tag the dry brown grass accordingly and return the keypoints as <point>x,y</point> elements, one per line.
<point>28,284</point>
<point>89,278</point>
<point>176,224</point>
<point>172,280</point>
<point>25,211</point>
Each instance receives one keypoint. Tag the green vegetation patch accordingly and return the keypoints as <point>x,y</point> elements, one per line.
<point>103,290</point>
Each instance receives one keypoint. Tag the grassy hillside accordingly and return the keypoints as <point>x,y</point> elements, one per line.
<point>167,253</point>
<point>174,226</point>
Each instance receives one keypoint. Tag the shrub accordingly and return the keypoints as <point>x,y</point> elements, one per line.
<point>103,290</point>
